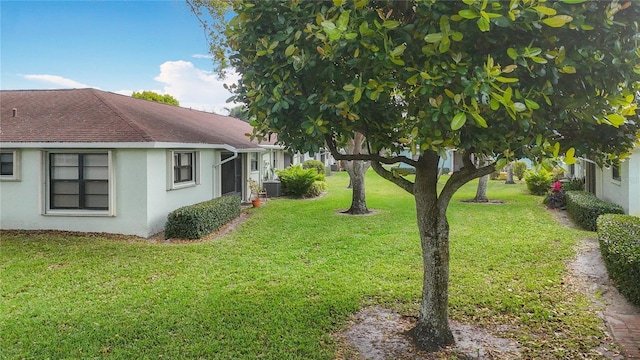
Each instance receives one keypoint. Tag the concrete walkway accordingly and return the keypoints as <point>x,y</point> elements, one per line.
<point>620,316</point>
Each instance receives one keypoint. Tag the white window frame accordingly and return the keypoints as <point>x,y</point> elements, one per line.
<point>195,170</point>
<point>618,169</point>
<point>254,161</point>
<point>46,171</point>
<point>15,176</point>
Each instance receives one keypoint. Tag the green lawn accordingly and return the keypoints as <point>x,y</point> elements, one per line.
<point>287,278</point>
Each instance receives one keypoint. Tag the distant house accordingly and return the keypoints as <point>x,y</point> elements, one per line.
<point>620,185</point>
<point>93,161</point>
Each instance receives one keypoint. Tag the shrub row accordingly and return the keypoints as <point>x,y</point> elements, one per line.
<point>198,220</point>
<point>584,208</point>
<point>619,237</point>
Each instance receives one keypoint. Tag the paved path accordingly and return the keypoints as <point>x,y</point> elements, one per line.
<point>621,317</point>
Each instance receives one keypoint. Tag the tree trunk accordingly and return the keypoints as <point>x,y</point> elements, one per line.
<point>481,192</point>
<point>432,330</point>
<point>357,170</point>
<point>510,175</point>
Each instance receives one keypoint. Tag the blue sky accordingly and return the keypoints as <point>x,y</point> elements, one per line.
<point>117,46</point>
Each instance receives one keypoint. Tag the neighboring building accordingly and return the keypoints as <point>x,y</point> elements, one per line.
<point>93,161</point>
<point>620,185</point>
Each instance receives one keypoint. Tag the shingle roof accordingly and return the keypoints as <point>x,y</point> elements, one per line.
<point>90,116</point>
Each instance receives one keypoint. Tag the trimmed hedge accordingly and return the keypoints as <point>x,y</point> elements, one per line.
<point>197,220</point>
<point>619,237</point>
<point>584,208</point>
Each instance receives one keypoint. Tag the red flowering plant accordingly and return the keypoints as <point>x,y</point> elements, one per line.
<point>555,199</point>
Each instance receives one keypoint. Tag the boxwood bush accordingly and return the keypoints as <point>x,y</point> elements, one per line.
<point>584,208</point>
<point>198,220</point>
<point>619,237</point>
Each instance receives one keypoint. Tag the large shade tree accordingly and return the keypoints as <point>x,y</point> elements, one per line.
<point>493,79</point>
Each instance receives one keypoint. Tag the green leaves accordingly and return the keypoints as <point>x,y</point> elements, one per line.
<point>458,120</point>
<point>371,68</point>
<point>290,50</point>
<point>337,29</point>
<point>569,156</point>
<point>558,20</point>
<point>615,119</point>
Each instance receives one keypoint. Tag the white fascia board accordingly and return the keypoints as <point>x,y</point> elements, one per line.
<point>113,145</point>
<point>272,147</point>
<point>250,150</point>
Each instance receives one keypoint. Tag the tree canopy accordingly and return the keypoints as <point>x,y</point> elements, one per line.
<point>520,78</point>
<point>491,78</point>
<point>239,112</point>
<point>153,96</point>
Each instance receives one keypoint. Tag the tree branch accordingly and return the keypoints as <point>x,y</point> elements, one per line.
<point>331,144</point>
<point>463,176</point>
<point>398,180</point>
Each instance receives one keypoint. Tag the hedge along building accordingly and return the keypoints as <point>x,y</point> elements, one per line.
<point>93,161</point>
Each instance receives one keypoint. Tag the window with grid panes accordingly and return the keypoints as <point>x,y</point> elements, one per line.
<point>183,167</point>
<point>7,163</point>
<point>79,181</point>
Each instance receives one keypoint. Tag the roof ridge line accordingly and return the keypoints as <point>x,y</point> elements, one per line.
<point>135,126</point>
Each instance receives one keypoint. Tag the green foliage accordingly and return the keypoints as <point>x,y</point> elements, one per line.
<point>519,169</point>
<point>573,184</point>
<point>558,173</point>
<point>317,188</point>
<point>198,220</point>
<point>296,181</point>
<point>314,164</point>
<point>584,208</point>
<point>619,237</point>
<point>338,67</point>
<point>153,96</point>
<point>239,112</point>
<point>538,182</point>
<point>281,283</point>
<point>414,75</point>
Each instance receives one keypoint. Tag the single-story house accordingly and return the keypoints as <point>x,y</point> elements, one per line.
<point>616,184</point>
<point>94,161</point>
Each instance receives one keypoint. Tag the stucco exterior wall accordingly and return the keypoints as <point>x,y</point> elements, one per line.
<point>626,191</point>
<point>634,183</point>
<point>22,202</point>
<point>161,201</point>
<point>142,196</point>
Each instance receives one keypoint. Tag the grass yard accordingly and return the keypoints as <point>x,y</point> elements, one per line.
<point>282,282</point>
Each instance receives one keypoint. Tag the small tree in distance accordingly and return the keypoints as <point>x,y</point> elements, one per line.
<point>494,79</point>
<point>153,96</point>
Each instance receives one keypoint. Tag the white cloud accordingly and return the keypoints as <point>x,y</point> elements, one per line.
<point>202,56</point>
<point>195,88</point>
<point>57,81</point>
